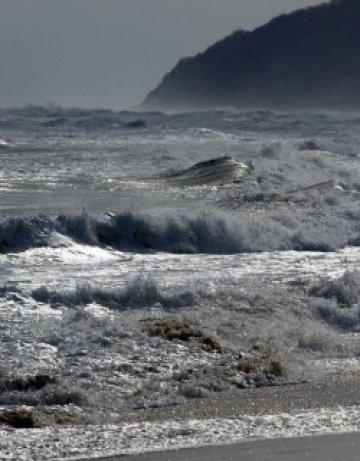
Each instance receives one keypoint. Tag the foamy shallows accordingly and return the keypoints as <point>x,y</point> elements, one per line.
<point>101,441</point>
<point>149,259</point>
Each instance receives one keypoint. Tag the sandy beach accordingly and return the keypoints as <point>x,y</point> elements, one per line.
<point>331,392</point>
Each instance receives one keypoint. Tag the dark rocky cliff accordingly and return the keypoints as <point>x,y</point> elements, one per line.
<point>306,59</point>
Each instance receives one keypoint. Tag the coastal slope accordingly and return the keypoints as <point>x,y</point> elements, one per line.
<point>306,59</point>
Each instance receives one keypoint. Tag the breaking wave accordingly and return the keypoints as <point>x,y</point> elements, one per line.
<point>18,234</point>
<point>138,294</point>
<point>4,143</point>
<point>219,169</point>
<point>212,232</point>
<point>345,291</point>
<point>337,302</point>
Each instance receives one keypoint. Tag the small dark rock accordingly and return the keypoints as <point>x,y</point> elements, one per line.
<point>139,123</point>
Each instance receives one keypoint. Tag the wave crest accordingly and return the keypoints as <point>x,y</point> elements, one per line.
<point>138,294</point>
<point>219,169</point>
<point>22,233</point>
<point>211,232</point>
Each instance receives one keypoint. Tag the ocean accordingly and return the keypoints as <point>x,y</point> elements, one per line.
<point>149,259</point>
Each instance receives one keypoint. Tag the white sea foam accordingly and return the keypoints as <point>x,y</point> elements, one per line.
<point>100,441</point>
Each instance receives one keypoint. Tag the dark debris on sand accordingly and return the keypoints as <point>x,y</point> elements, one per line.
<point>27,417</point>
<point>174,330</point>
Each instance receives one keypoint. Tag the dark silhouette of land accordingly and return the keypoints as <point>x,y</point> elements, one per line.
<point>306,59</point>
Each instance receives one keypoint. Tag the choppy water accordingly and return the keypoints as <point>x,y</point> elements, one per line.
<point>148,258</point>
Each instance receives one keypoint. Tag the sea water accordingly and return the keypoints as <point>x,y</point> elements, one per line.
<point>148,258</point>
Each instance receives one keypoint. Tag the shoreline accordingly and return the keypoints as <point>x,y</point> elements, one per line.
<point>330,391</point>
<point>330,405</point>
<point>319,447</point>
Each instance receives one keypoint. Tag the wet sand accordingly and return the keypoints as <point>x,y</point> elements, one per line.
<point>331,391</point>
<point>344,447</point>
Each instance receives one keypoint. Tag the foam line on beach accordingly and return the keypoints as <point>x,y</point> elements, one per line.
<point>75,443</point>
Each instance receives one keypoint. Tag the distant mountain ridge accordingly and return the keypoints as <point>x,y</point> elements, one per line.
<point>307,59</point>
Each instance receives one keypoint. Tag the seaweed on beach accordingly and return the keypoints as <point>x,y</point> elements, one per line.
<point>26,417</point>
<point>174,330</point>
<point>36,390</point>
<point>9,383</point>
<point>250,372</point>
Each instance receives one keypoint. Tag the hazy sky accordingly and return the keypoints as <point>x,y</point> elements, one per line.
<point>111,53</point>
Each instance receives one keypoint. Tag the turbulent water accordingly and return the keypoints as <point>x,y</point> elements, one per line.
<point>149,258</point>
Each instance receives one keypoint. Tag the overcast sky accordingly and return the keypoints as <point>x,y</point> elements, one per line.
<point>111,53</point>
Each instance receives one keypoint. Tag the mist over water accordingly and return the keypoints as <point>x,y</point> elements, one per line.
<point>148,258</point>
